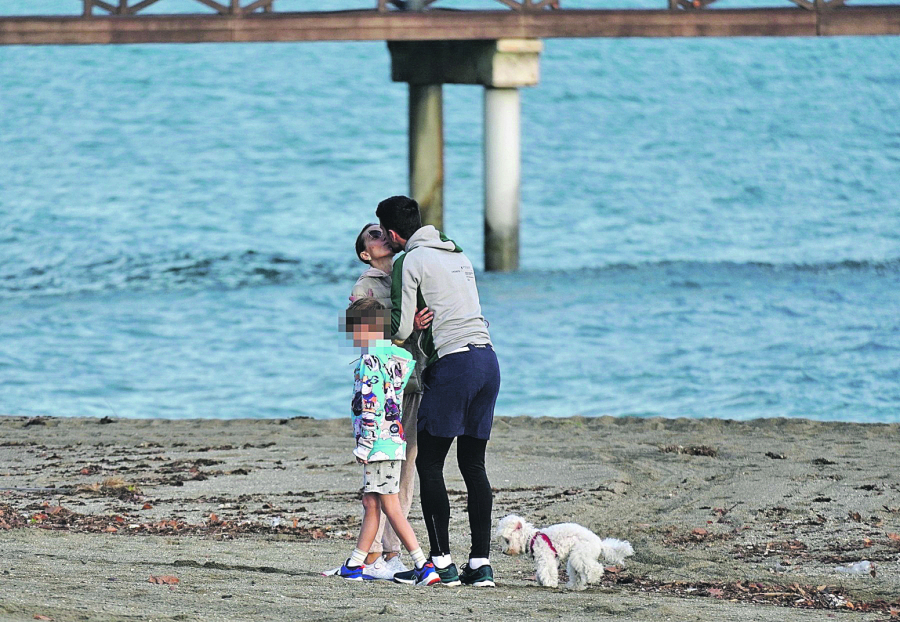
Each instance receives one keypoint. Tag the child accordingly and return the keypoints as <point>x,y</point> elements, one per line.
<point>379,379</point>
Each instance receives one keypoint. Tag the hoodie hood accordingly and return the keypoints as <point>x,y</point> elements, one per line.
<point>374,273</point>
<point>373,283</point>
<point>429,237</point>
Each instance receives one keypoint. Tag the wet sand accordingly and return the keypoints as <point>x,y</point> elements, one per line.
<point>729,520</point>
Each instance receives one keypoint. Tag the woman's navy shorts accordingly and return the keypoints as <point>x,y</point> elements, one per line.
<point>460,392</point>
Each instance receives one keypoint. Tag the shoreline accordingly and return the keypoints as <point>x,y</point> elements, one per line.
<point>728,519</point>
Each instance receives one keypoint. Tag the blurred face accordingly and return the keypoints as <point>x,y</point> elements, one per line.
<point>376,244</point>
<point>370,331</point>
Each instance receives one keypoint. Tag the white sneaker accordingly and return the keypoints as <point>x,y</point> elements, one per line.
<point>332,572</point>
<point>379,569</point>
<point>395,565</point>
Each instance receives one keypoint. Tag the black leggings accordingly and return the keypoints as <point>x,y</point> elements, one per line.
<point>435,503</point>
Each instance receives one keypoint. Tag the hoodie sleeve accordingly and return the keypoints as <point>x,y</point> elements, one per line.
<point>404,288</point>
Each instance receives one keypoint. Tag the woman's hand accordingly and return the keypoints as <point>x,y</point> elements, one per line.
<point>423,318</point>
<point>361,461</point>
<point>369,294</point>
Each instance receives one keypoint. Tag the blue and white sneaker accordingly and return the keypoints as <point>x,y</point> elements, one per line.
<point>426,575</point>
<point>353,573</point>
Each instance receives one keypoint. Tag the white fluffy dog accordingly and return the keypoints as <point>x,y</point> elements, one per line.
<point>578,546</point>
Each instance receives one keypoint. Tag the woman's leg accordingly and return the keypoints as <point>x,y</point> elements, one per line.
<point>377,548</point>
<point>435,503</point>
<point>470,457</point>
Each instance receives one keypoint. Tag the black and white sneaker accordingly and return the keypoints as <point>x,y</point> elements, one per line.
<point>483,576</point>
<point>449,575</point>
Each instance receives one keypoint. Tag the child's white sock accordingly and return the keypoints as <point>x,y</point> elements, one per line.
<point>356,559</point>
<point>418,557</point>
<point>440,561</point>
<point>477,562</point>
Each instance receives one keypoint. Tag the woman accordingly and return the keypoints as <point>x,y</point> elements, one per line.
<point>372,248</point>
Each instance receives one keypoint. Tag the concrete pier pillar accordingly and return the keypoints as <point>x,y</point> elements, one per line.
<point>501,66</point>
<point>426,151</point>
<point>502,176</point>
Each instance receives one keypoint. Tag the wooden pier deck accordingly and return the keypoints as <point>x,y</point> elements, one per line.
<point>121,24</point>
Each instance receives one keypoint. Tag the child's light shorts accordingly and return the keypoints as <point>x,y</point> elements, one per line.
<point>382,477</point>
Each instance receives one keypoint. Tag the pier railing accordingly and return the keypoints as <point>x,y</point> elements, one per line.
<point>237,7</point>
<point>130,21</point>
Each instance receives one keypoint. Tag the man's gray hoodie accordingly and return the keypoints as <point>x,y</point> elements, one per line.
<point>434,273</point>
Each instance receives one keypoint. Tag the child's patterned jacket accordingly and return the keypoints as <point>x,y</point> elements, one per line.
<point>378,385</point>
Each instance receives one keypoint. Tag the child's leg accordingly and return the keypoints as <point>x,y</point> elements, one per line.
<point>390,541</point>
<point>390,505</point>
<point>371,502</point>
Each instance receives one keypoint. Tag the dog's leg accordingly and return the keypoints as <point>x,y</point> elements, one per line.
<point>595,572</point>
<point>545,569</point>
<point>576,579</point>
<point>582,569</point>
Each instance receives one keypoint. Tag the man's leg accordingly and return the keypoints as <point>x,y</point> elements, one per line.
<point>435,503</point>
<point>485,374</point>
<point>470,457</point>
<point>390,541</point>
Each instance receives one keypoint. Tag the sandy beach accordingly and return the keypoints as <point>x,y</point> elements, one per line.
<point>113,519</point>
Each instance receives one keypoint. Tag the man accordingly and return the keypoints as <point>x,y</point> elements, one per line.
<point>461,378</point>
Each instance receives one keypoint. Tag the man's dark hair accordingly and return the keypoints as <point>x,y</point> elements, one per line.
<point>400,214</point>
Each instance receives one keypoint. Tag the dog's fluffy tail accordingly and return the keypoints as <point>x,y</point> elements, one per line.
<point>615,551</point>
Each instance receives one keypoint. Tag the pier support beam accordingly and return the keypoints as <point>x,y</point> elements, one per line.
<point>502,67</point>
<point>502,177</point>
<point>426,151</point>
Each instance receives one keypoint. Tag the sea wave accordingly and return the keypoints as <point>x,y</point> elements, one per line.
<point>887,266</point>
<point>179,271</point>
<point>247,269</point>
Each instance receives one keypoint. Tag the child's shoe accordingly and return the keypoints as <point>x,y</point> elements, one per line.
<point>482,576</point>
<point>426,575</point>
<point>353,573</point>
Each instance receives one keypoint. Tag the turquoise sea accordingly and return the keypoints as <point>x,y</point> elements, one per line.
<point>710,228</point>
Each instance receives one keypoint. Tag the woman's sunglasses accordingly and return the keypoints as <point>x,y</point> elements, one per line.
<point>375,234</point>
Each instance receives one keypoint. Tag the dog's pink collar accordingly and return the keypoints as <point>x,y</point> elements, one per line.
<point>546,539</point>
